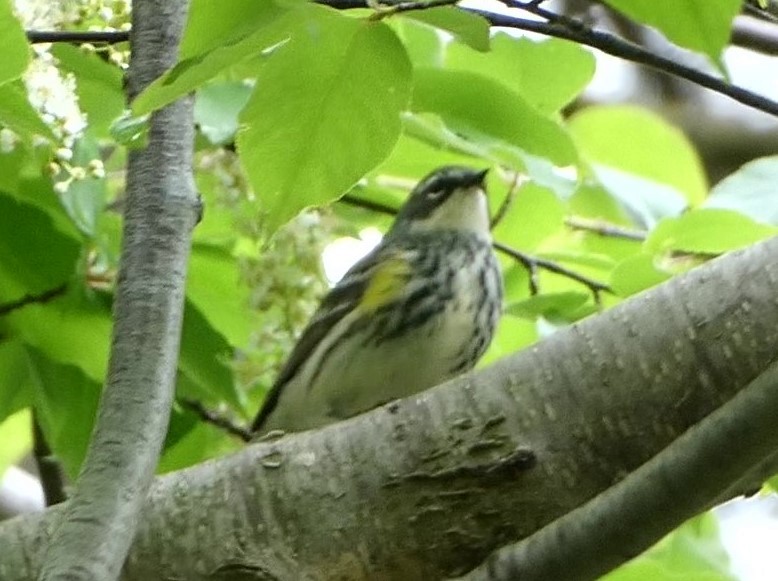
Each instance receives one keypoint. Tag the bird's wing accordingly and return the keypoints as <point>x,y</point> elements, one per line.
<point>371,283</point>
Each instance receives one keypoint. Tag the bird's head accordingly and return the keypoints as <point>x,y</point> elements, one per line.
<point>450,198</point>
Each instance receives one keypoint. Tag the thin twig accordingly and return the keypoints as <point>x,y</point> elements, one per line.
<point>502,211</point>
<point>535,262</point>
<point>50,471</point>
<point>531,263</point>
<point>28,299</point>
<point>78,36</point>
<point>605,228</point>
<point>383,10</point>
<point>216,419</point>
<point>571,29</point>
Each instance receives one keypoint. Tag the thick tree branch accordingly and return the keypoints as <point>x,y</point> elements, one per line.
<point>427,487</point>
<point>98,523</point>
<point>681,481</point>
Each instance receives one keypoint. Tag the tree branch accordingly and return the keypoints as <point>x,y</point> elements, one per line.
<point>427,487</point>
<point>557,26</point>
<point>612,528</point>
<point>99,522</point>
<point>561,26</point>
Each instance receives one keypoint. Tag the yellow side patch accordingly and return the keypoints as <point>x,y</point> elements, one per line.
<point>387,283</point>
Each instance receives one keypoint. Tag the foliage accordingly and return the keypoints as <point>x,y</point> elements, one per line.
<point>320,102</point>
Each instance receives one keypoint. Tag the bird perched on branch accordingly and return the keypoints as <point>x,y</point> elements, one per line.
<point>419,309</point>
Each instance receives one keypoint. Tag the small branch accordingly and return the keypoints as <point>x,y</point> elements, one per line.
<point>50,471</point>
<point>571,29</point>
<point>216,419</point>
<point>531,263</point>
<point>43,297</point>
<point>557,26</point>
<point>383,10</point>
<point>78,36</point>
<point>502,211</point>
<point>605,228</point>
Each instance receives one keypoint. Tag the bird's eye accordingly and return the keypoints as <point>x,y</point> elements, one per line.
<point>435,194</point>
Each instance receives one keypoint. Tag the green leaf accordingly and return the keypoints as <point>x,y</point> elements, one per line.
<point>130,130</point>
<point>35,256</point>
<point>98,86</point>
<point>701,25</point>
<point>413,157</point>
<point>73,330</point>
<point>302,146</point>
<point>211,25</point>
<point>85,199</point>
<point>458,97</point>
<point>17,113</point>
<point>707,231</point>
<point>191,441</point>
<point>274,27</point>
<point>16,438</point>
<point>553,306</point>
<point>471,29</point>
<point>15,387</point>
<point>751,190</point>
<point>66,401</point>
<point>424,45</point>
<point>655,151</point>
<point>217,107</point>
<point>548,74</point>
<point>13,44</point>
<point>636,274</point>
<point>205,373</point>
<point>213,287</point>
<point>535,214</point>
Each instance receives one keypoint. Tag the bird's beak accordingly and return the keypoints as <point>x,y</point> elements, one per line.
<point>478,178</point>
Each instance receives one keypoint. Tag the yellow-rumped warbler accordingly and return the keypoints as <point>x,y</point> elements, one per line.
<point>419,309</point>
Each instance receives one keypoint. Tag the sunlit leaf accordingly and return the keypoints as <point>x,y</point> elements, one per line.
<point>548,74</point>
<point>752,190</point>
<point>13,44</point>
<point>701,25</point>
<point>301,146</point>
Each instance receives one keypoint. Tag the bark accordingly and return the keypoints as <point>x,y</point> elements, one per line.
<point>427,487</point>
<point>99,522</point>
<point>629,517</point>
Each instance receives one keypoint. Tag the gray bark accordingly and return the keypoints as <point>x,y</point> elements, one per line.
<point>98,524</point>
<point>628,518</point>
<point>426,488</point>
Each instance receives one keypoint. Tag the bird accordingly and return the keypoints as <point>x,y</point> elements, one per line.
<point>420,308</point>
